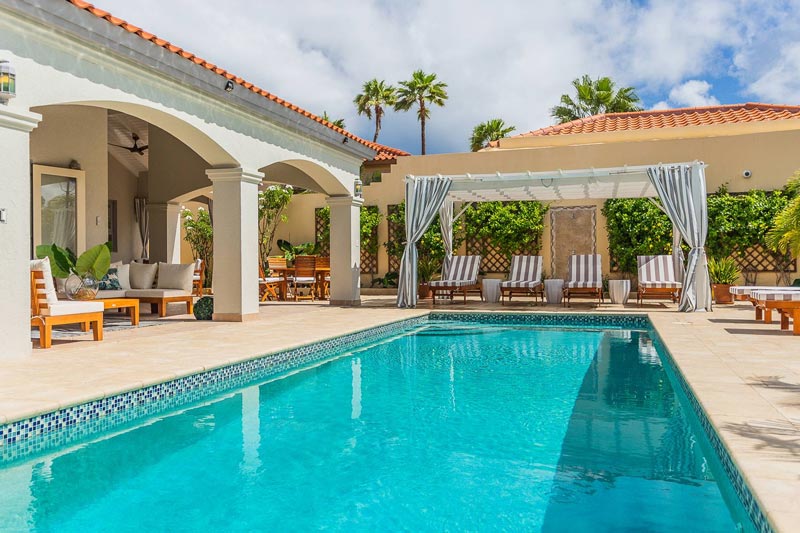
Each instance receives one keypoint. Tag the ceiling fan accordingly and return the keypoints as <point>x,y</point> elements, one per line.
<point>135,148</point>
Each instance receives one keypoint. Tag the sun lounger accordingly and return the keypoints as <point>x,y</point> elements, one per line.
<point>584,276</point>
<point>786,302</point>
<point>462,276</point>
<point>524,278</point>
<point>657,278</point>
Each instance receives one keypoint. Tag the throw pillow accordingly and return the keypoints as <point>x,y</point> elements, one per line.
<point>110,281</point>
<point>124,275</point>
<point>142,276</point>
<point>43,265</point>
<point>175,276</point>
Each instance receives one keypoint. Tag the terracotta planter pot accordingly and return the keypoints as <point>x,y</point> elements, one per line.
<point>722,294</point>
<point>424,291</point>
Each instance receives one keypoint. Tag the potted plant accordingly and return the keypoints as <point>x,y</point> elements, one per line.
<point>427,268</point>
<point>723,273</point>
<point>83,274</point>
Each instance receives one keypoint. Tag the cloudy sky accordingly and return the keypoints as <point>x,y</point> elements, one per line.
<point>510,59</point>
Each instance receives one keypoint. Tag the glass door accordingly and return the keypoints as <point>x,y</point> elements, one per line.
<point>58,207</point>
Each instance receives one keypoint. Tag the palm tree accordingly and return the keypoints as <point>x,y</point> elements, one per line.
<point>784,236</point>
<point>374,96</point>
<point>422,90</point>
<point>485,132</point>
<point>338,122</point>
<point>594,97</point>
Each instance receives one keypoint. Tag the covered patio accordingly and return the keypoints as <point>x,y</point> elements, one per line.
<point>680,187</point>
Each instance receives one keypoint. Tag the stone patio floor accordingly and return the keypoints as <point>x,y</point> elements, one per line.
<point>745,374</point>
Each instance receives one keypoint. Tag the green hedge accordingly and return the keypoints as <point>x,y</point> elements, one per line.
<point>735,222</point>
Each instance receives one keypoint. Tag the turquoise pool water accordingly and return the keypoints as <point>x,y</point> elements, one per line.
<point>448,427</point>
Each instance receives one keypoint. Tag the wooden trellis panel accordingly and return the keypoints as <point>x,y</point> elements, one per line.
<point>396,235</point>
<point>759,259</point>
<point>492,260</point>
<point>369,262</point>
<point>319,228</point>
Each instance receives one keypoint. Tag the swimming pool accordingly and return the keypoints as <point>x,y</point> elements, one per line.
<point>445,425</point>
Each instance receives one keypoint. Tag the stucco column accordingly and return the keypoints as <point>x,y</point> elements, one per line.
<point>165,232</point>
<point>345,250</point>
<point>15,233</point>
<point>235,243</point>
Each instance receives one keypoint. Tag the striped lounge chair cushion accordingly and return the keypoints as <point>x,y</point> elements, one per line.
<point>657,272</point>
<point>776,296</point>
<point>584,272</point>
<point>747,290</point>
<point>525,272</point>
<point>519,284</point>
<point>451,283</point>
<point>463,272</point>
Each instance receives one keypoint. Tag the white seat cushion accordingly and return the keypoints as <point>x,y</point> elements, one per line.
<point>305,280</point>
<point>111,294</point>
<point>63,308</point>
<point>175,276</point>
<point>155,293</point>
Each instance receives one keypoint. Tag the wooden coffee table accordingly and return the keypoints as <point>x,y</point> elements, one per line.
<point>123,303</point>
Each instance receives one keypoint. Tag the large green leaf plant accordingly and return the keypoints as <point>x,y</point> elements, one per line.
<point>95,261</point>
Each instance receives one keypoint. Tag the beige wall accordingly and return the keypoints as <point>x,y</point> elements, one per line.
<point>123,187</point>
<point>175,170</point>
<point>78,133</point>
<point>772,157</point>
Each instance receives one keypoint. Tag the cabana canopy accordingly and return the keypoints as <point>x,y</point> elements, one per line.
<point>680,186</point>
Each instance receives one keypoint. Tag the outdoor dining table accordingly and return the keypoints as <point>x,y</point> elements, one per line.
<point>286,273</point>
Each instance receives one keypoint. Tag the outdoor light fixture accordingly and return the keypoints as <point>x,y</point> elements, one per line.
<point>8,81</point>
<point>229,86</point>
<point>345,140</point>
<point>358,189</point>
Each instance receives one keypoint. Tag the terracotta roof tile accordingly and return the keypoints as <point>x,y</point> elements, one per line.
<point>86,6</point>
<point>671,118</point>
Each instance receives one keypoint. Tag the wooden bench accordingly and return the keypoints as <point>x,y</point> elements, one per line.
<point>44,316</point>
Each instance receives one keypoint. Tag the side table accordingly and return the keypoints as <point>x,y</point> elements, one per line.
<point>619,289</point>
<point>554,290</point>
<point>491,290</point>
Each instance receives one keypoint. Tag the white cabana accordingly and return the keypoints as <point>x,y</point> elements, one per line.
<point>680,186</point>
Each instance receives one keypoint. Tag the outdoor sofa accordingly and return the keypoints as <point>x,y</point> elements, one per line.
<point>155,284</point>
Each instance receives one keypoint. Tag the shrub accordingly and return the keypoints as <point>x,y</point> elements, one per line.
<point>204,308</point>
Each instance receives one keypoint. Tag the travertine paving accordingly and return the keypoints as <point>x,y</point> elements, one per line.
<point>745,374</point>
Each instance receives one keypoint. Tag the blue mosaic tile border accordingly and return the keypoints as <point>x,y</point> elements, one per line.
<point>745,495</point>
<point>40,433</point>
<point>548,319</point>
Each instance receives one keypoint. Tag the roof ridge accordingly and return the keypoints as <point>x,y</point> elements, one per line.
<point>105,15</point>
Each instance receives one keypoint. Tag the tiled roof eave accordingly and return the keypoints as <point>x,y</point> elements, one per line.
<point>189,65</point>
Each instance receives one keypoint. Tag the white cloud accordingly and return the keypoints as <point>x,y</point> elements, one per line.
<point>663,104</point>
<point>511,59</point>
<point>781,83</point>
<point>692,93</point>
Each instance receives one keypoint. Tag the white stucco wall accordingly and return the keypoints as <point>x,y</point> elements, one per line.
<point>15,234</point>
<point>122,187</point>
<point>78,133</point>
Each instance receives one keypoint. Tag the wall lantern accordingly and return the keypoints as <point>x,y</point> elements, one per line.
<point>8,81</point>
<point>229,87</point>
<point>358,189</point>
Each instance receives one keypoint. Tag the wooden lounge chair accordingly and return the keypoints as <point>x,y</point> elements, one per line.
<point>45,315</point>
<point>584,276</point>
<point>787,303</point>
<point>524,278</point>
<point>198,278</point>
<point>657,278</point>
<point>462,276</point>
<point>269,286</point>
<point>323,266</point>
<point>305,275</point>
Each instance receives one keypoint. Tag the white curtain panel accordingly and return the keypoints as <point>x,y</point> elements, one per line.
<point>424,197</point>
<point>682,189</point>
<point>446,224</point>
<point>143,220</point>
<point>677,253</point>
